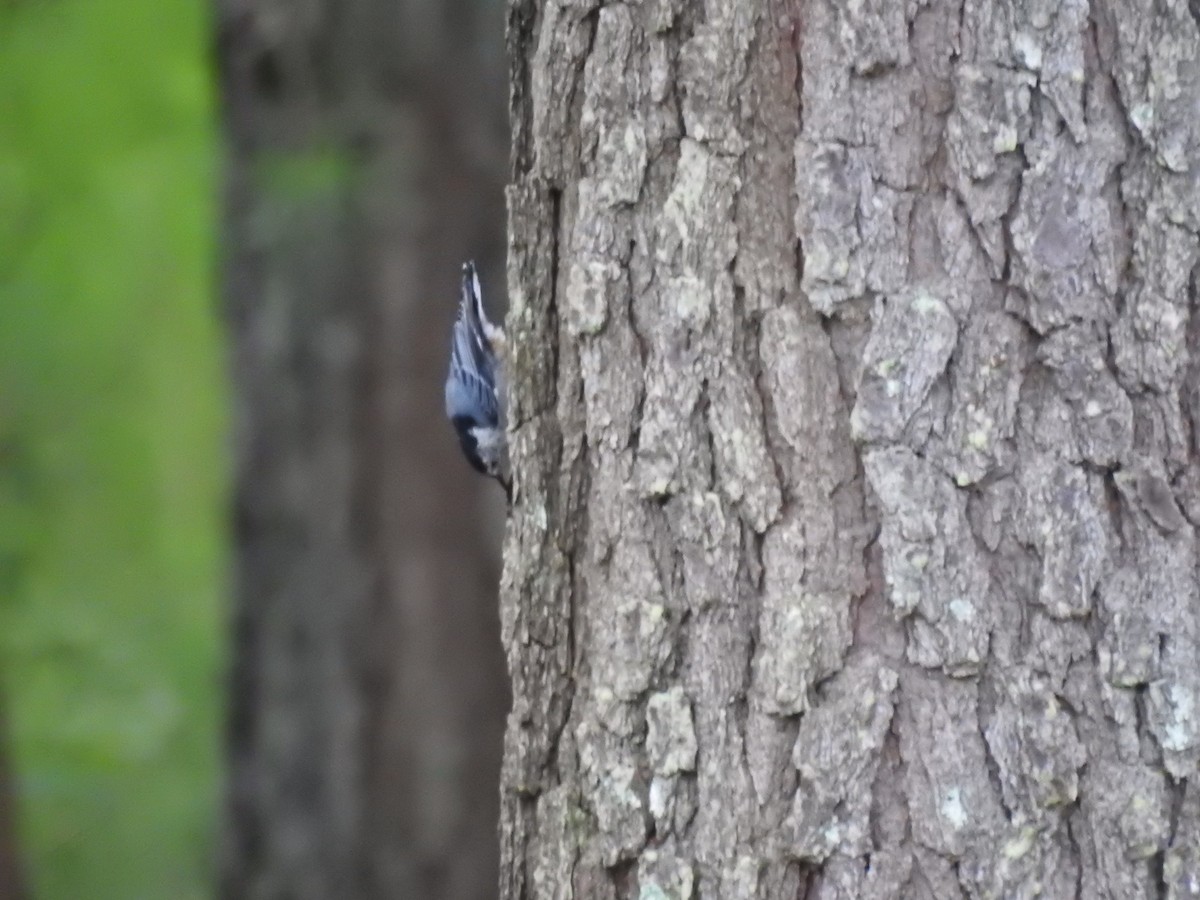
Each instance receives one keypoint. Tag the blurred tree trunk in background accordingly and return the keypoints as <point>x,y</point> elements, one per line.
<point>11,880</point>
<point>367,147</point>
<point>857,475</point>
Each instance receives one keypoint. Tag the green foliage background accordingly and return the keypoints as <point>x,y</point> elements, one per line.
<point>112,452</point>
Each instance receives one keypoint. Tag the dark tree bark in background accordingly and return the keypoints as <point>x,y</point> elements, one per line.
<point>366,158</point>
<point>856,450</point>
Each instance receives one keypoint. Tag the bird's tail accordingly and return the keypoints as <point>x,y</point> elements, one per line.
<point>471,310</point>
<point>471,302</point>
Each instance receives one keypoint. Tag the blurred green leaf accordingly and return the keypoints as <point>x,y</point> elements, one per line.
<point>112,457</point>
<point>305,173</point>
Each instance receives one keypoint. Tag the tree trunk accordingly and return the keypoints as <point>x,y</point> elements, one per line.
<point>368,691</point>
<point>854,401</point>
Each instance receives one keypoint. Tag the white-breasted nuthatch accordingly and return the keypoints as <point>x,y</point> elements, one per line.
<point>475,385</point>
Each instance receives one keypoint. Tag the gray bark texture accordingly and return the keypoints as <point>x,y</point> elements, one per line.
<point>366,161</point>
<point>854,423</point>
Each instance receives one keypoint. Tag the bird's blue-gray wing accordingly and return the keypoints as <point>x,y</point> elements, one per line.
<point>471,388</point>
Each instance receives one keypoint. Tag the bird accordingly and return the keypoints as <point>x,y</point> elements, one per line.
<point>475,401</point>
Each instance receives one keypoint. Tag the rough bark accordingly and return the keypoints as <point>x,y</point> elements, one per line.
<point>854,432</point>
<point>368,690</point>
